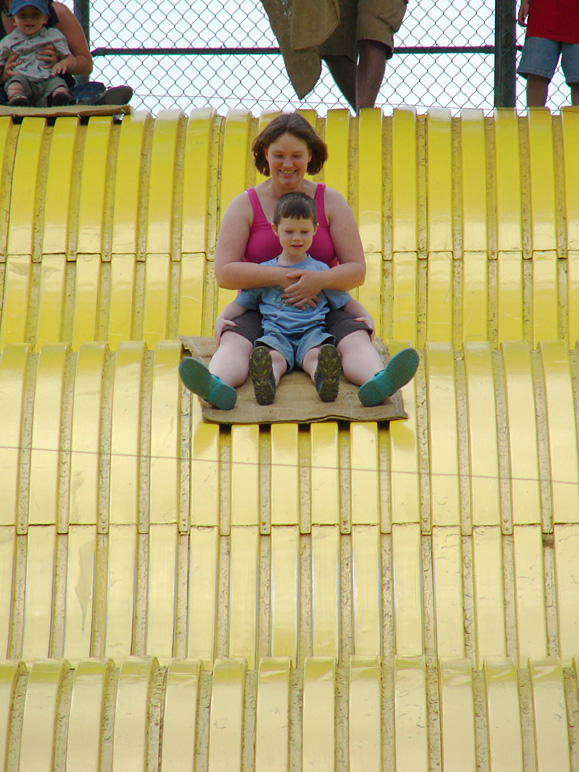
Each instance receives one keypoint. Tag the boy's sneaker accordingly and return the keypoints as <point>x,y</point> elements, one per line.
<point>196,376</point>
<point>261,372</point>
<point>327,375</point>
<point>399,370</point>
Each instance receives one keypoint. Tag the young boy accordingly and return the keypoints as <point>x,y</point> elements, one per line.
<point>552,32</point>
<point>32,82</point>
<point>291,335</point>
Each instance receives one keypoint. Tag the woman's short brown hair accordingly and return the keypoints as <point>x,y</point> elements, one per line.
<point>289,123</point>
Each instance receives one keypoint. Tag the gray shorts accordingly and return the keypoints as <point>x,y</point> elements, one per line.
<point>364,20</point>
<point>37,91</point>
<point>541,56</point>
<point>339,323</point>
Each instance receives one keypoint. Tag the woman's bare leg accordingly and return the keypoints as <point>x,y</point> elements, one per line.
<point>360,359</point>
<point>231,360</point>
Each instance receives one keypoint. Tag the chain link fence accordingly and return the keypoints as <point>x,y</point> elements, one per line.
<point>223,54</point>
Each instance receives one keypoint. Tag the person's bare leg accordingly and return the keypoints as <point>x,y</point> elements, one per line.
<point>231,360</point>
<point>575,94</point>
<point>343,71</point>
<point>370,72</point>
<point>14,89</point>
<point>278,365</point>
<point>360,360</point>
<point>537,90</point>
<point>310,361</point>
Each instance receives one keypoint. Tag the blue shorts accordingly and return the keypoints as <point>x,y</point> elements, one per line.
<point>540,57</point>
<point>295,347</point>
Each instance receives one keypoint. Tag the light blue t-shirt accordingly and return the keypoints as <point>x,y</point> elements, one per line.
<point>277,315</point>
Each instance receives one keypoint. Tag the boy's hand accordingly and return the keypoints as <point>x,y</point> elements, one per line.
<point>305,289</point>
<point>221,325</point>
<point>367,319</point>
<point>60,68</point>
<point>523,12</point>
<point>9,68</point>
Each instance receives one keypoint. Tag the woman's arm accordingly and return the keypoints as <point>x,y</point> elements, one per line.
<point>70,27</point>
<point>230,270</point>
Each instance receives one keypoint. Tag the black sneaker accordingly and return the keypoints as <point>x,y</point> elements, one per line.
<point>327,375</point>
<point>60,98</point>
<point>19,100</point>
<point>261,372</point>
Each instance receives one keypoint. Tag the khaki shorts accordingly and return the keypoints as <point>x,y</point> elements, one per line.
<point>364,20</point>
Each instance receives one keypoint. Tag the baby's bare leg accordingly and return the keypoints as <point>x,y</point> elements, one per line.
<point>14,88</point>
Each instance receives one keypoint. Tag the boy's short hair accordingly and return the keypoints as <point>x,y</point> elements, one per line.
<point>296,206</point>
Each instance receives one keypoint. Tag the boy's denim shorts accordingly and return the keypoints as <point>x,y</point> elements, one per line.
<point>540,57</point>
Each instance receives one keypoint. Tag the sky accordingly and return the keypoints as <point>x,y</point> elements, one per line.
<point>258,83</point>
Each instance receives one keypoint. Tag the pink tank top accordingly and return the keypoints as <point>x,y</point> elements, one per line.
<point>264,245</point>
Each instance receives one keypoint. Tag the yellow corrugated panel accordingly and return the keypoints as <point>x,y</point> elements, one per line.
<point>40,716</point>
<point>407,571</point>
<point>58,186</point>
<point>162,182</point>
<point>475,300</point>
<point>457,716</point>
<point>529,593</point>
<point>325,591</point>
<point>121,590</point>
<point>410,715</point>
<point>405,296</point>
<point>85,437</point>
<point>80,591</point>
<point>236,145</point>
<point>550,716</point>
<point>508,181</point>
<point>17,281</point>
<point>523,452</point>
<point>566,548</point>
<point>203,584</point>
<point>439,298</point>
<point>245,475</point>
<point>443,435</point>
<point>474,188</point>
<point>285,591</point>
<point>200,165</point>
<point>45,453</point>
<point>364,484</point>
<point>318,728</point>
<point>7,554</point>
<point>165,434</point>
<point>285,480</point>
<point>482,434</point>
<point>367,590</point>
<point>562,432</point>
<point>192,297</point>
<point>337,167</point>
<point>40,565</point>
<point>125,436</point>
<point>87,290</point>
<point>205,465</point>
<point>489,593</point>
<point>8,139</point>
<point>364,714</point>
<point>542,178</point>
<point>510,296</point>
<point>325,477</point>
<point>545,297</point>
<point>404,182</point>
<point>244,593</point>
<point>51,300</point>
<point>126,213</point>
<point>180,716</point>
<point>226,716</point>
<point>448,597</point>
<point>121,299</point>
<point>272,716</point>
<point>570,126</point>
<point>9,675</point>
<point>92,213</point>
<point>404,475</point>
<point>131,715</point>
<point>13,362</point>
<point>162,596</point>
<point>25,178</point>
<point>572,297</point>
<point>156,299</point>
<point>505,741</point>
<point>86,715</point>
<point>439,181</point>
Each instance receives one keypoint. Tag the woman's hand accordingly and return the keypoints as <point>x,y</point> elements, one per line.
<point>221,325</point>
<point>304,290</point>
<point>10,66</point>
<point>48,56</point>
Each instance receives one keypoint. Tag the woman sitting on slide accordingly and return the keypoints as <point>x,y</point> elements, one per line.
<point>284,151</point>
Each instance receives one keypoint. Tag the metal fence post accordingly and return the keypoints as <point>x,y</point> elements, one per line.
<point>505,53</point>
